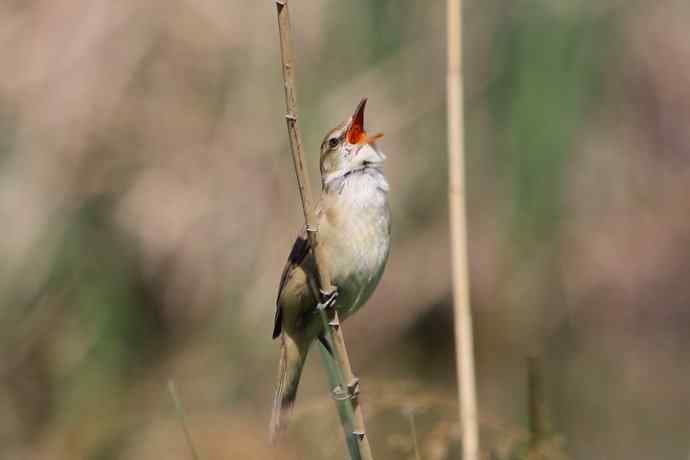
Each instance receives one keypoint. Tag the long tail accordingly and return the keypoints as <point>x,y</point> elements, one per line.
<point>292,357</point>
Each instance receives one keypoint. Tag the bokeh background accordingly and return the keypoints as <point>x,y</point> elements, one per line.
<point>148,203</point>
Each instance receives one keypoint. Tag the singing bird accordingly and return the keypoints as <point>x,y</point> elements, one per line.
<point>354,228</point>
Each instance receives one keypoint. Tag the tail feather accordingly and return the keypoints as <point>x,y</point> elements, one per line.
<point>292,358</point>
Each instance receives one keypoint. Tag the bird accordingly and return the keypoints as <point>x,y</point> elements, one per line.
<point>354,234</point>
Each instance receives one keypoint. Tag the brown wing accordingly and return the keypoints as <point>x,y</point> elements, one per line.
<point>299,251</point>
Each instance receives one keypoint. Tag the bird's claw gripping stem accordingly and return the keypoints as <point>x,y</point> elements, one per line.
<point>327,299</point>
<point>350,392</point>
<point>353,388</point>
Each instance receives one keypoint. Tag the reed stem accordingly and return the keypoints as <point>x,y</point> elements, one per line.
<point>332,327</point>
<point>464,351</point>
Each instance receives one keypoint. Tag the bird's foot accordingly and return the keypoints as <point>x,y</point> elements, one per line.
<point>327,299</point>
<point>351,391</point>
<point>353,388</point>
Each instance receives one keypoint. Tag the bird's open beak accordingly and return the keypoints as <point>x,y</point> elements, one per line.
<point>356,134</point>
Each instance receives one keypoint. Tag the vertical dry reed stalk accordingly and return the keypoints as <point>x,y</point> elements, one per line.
<point>324,279</point>
<point>458,232</point>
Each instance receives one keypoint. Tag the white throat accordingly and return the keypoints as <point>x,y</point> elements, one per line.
<point>365,185</point>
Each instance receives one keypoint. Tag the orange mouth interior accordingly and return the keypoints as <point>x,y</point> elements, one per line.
<point>356,134</point>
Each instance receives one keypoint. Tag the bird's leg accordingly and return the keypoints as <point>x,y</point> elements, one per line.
<point>353,388</point>
<point>326,344</point>
<point>327,298</point>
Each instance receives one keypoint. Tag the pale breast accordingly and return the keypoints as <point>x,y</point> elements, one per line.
<point>355,230</point>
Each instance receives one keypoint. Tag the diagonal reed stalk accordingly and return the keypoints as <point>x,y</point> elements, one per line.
<point>458,233</point>
<point>335,380</point>
<point>181,416</point>
<point>346,381</point>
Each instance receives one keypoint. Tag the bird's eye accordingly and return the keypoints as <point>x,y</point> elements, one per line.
<point>333,141</point>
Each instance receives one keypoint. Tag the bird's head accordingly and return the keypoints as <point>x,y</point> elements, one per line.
<point>348,147</point>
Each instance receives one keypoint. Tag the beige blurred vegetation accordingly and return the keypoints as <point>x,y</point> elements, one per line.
<point>148,204</point>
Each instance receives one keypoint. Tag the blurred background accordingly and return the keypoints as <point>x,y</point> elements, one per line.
<point>148,204</point>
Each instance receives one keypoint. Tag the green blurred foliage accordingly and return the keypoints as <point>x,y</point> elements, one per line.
<point>547,70</point>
